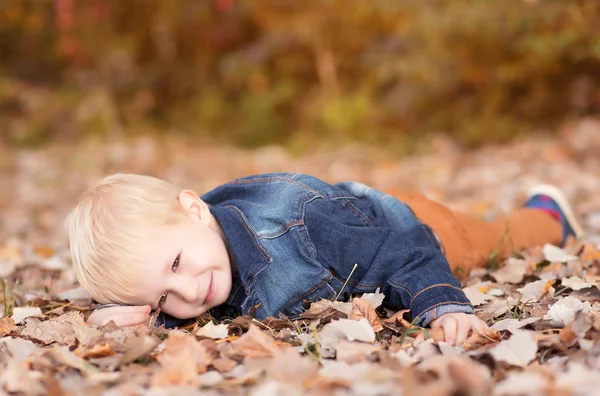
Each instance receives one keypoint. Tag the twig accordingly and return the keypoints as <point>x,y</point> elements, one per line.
<point>345,283</point>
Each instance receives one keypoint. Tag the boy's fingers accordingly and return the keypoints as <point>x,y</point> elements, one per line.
<point>479,325</point>
<point>450,327</point>
<point>127,319</point>
<point>463,328</point>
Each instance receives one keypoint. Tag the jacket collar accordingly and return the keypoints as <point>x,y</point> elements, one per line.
<point>243,245</point>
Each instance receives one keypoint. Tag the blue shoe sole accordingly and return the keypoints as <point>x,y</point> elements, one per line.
<point>561,200</point>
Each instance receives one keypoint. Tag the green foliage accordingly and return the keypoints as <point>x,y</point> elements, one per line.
<point>255,72</point>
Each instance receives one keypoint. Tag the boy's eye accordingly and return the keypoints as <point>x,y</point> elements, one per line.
<point>175,263</point>
<point>163,298</point>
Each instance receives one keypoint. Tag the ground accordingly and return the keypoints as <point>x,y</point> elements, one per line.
<point>543,304</point>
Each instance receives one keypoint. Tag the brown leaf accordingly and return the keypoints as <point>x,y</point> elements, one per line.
<point>324,311</point>
<point>98,351</point>
<point>567,335</point>
<point>286,366</point>
<point>364,309</point>
<point>481,338</point>
<point>59,329</point>
<point>354,351</point>
<point>467,378</point>
<point>256,344</point>
<point>7,325</point>
<point>61,355</point>
<point>181,360</point>
<point>224,364</point>
<point>398,320</point>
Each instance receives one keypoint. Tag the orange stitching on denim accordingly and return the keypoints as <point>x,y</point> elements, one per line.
<point>358,213</point>
<point>285,229</point>
<point>431,287</point>
<point>251,231</point>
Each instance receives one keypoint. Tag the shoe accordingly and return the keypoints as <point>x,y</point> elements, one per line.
<point>554,201</point>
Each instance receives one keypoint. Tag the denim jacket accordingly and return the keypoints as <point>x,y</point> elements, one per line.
<point>295,238</point>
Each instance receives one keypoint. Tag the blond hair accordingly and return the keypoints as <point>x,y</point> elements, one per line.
<point>109,226</point>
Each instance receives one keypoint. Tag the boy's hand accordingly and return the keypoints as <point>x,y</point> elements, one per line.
<point>122,316</point>
<point>456,326</point>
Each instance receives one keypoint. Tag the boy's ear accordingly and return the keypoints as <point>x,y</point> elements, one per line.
<point>194,206</point>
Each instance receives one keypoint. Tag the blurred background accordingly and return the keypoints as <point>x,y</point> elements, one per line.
<point>468,101</point>
<point>296,73</point>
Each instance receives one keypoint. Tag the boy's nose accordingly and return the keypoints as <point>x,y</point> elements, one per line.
<point>189,291</point>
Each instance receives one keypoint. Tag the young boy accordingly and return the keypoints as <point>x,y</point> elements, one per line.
<point>268,243</point>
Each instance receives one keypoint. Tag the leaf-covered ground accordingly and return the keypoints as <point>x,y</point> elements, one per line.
<point>543,305</point>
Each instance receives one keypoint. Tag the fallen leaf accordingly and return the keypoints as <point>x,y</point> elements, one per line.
<point>533,291</point>
<point>256,343</point>
<point>519,350</point>
<point>376,299</point>
<point>364,309</point>
<point>353,330</point>
<point>555,254</point>
<point>513,325</point>
<point>576,283</point>
<point>21,313</point>
<point>354,352</point>
<point>7,325</point>
<point>476,296</point>
<point>15,350</point>
<point>98,351</point>
<point>224,364</point>
<point>286,366</point>
<point>213,331</point>
<point>512,272</point>
<point>522,383</point>
<point>59,329</point>
<point>181,360</point>
<point>317,308</point>
<point>563,311</point>
<point>481,338</point>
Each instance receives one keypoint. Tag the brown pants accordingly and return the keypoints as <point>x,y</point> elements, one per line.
<point>470,242</point>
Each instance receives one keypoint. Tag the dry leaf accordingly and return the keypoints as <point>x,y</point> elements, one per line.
<point>181,360</point>
<point>352,330</point>
<point>224,364</point>
<point>59,329</point>
<point>556,254</point>
<point>21,313</point>
<point>563,311</point>
<point>513,325</point>
<point>7,325</point>
<point>481,338</point>
<point>15,350</point>
<point>576,283</point>
<point>522,383</point>
<point>476,296</point>
<point>512,272</point>
<point>533,291</point>
<point>256,344</point>
<point>216,332</point>
<point>354,352</point>
<point>364,309</point>
<point>376,299</point>
<point>519,350</point>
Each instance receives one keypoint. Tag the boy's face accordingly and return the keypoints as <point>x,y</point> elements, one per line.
<point>187,266</point>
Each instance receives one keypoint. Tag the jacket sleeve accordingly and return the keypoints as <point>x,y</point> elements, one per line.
<point>421,280</point>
